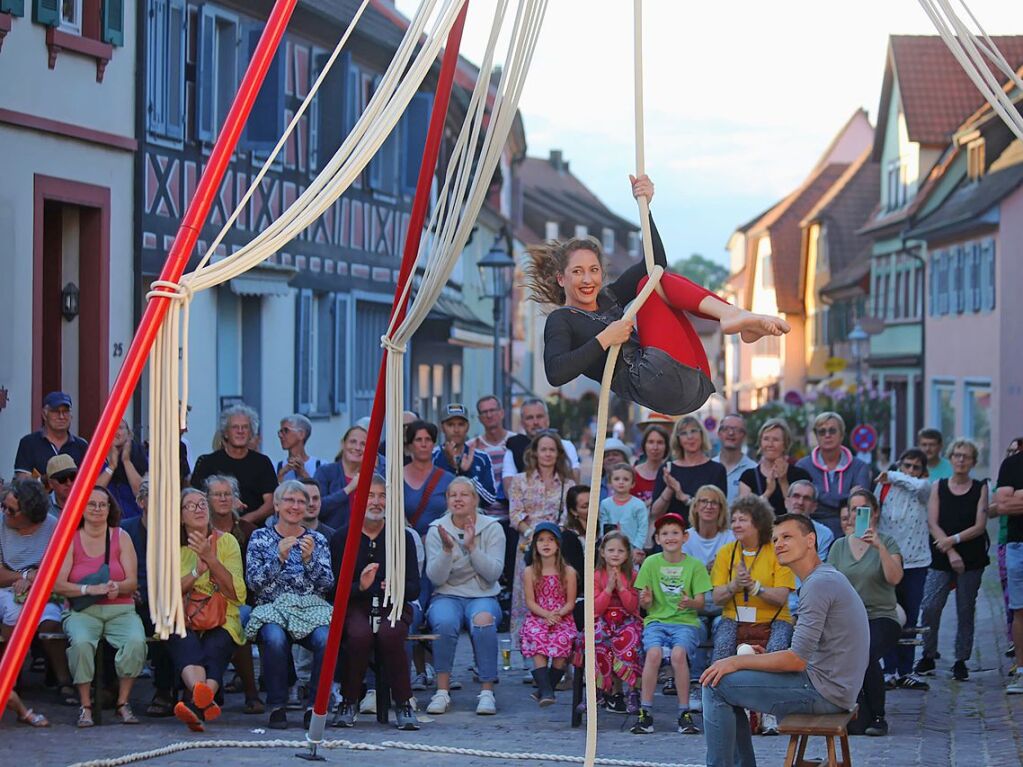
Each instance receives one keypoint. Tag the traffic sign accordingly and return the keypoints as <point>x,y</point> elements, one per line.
<point>863,437</point>
<point>835,364</point>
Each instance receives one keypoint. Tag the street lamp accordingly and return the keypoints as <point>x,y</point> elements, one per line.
<point>857,337</point>
<point>497,270</point>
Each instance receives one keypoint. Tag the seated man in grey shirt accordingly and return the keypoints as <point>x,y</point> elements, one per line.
<point>821,673</point>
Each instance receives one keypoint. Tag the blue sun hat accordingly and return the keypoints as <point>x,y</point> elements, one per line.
<point>547,527</point>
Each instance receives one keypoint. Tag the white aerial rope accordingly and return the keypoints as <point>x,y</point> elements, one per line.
<point>400,82</point>
<point>973,52</point>
<point>452,220</point>
<point>592,515</point>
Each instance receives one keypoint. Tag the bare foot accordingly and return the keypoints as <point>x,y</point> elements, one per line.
<point>752,327</point>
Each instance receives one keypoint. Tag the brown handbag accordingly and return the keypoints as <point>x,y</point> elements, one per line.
<point>204,612</point>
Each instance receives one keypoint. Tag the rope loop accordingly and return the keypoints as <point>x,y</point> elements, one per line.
<point>390,345</point>
<point>174,291</point>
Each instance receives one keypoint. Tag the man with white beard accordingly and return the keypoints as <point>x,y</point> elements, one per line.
<point>367,631</point>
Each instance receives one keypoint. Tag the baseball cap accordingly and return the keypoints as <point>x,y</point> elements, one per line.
<point>60,465</point>
<point>57,399</point>
<point>671,517</point>
<point>454,410</point>
<point>547,527</point>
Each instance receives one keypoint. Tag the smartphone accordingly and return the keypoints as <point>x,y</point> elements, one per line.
<point>862,520</point>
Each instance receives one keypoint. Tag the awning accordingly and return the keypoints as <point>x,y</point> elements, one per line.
<point>264,280</point>
<point>454,309</point>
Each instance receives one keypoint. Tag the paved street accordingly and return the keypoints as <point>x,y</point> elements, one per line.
<point>972,724</point>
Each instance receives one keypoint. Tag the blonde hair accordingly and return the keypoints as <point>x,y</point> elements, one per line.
<point>549,260</point>
<point>829,415</point>
<point>614,535</point>
<point>458,481</point>
<point>680,425</point>
<point>777,423</point>
<point>969,444</point>
<point>714,492</point>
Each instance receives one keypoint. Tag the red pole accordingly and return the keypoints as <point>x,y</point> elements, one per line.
<point>135,361</point>
<point>412,239</point>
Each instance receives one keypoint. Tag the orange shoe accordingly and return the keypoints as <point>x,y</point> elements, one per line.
<point>202,695</point>
<point>185,714</point>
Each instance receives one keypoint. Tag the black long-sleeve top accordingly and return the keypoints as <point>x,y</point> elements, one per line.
<point>571,348</point>
<point>374,550</point>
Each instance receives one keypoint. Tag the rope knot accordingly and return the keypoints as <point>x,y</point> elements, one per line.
<point>391,346</point>
<point>174,291</point>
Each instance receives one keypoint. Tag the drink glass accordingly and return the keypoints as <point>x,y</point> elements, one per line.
<point>506,650</point>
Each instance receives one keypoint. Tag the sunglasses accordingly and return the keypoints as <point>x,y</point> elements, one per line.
<point>911,466</point>
<point>825,431</point>
<point>65,480</point>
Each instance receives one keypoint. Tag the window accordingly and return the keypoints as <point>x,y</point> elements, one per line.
<point>341,346</point>
<point>956,287</point>
<point>414,125</point>
<point>581,230</point>
<point>383,168</point>
<point>330,110</point>
<point>975,159</point>
<point>971,275</point>
<point>943,415</point>
<point>987,275</point>
<point>165,81</point>
<point>766,273</point>
<point>977,421</point>
<point>71,16</point>
<point>941,278</point>
<point>217,76</point>
<point>551,231</point>
<point>266,120</point>
<point>370,322</point>
<point>897,185</point>
<point>314,347</point>
<point>634,243</point>
<point>607,240</point>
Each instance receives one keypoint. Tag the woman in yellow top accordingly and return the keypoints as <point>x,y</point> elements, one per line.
<point>749,584</point>
<point>213,587</point>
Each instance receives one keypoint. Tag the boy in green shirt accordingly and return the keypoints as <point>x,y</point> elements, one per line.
<point>671,589</point>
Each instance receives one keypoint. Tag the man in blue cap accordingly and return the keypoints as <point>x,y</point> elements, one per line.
<point>55,438</point>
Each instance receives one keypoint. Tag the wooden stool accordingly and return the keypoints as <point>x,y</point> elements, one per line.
<point>384,689</point>
<point>801,727</point>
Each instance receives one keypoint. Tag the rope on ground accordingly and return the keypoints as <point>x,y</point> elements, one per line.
<point>193,745</point>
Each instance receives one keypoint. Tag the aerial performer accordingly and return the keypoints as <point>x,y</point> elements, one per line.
<point>664,366</point>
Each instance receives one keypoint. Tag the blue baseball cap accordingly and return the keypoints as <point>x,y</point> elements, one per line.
<point>57,399</point>
<point>547,527</point>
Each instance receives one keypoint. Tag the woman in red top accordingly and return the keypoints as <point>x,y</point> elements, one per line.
<point>110,614</point>
<point>655,451</point>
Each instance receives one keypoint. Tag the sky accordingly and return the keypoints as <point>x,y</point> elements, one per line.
<point>740,98</point>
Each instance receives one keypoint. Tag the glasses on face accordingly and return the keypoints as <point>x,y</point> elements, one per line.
<point>962,457</point>
<point>97,505</point>
<point>732,430</point>
<point>287,501</point>
<point>707,502</point>
<point>195,506</point>
<point>284,430</point>
<point>66,480</point>
<point>827,431</point>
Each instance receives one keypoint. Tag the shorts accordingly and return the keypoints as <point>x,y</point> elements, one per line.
<point>671,635</point>
<point>1014,574</point>
<point>10,610</point>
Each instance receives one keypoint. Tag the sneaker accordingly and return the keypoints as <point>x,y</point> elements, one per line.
<point>278,719</point>
<point>486,703</point>
<point>419,682</point>
<point>632,703</point>
<point>369,703</point>
<point>686,725</point>
<point>439,703</point>
<point>644,723</point>
<point>345,715</point>
<point>891,681</point>
<point>615,704</point>
<point>1011,652</point>
<point>1015,687</point>
<point>405,717</point>
<point>768,724</point>
<point>669,688</point>
<point>910,682</point>
<point>696,700</point>
<point>924,667</point>
<point>959,671</point>
<point>878,727</point>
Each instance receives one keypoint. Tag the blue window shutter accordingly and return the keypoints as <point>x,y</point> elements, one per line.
<point>13,7</point>
<point>303,357</point>
<point>932,293</point>
<point>113,22</point>
<point>414,126</point>
<point>341,366</point>
<point>157,75</point>
<point>324,352</point>
<point>331,108</point>
<point>266,121</point>
<point>987,275</point>
<point>352,97</point>
<point>943,274</point>
<point>206,96</point>
<point>46,12</point>
<point>958,294</point>
<point>177,26</point>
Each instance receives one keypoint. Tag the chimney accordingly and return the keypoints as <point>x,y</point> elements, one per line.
<point>557,162</point>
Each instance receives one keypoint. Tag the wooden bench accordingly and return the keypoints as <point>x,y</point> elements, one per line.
<point>384,689</point>
<point>801,727</point>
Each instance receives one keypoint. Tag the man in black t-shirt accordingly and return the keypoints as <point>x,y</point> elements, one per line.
<point>54,438</point>
<point>1009,502</point>
<point>255,473</point>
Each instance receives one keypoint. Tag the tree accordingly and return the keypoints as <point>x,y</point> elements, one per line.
<point>702,271</point>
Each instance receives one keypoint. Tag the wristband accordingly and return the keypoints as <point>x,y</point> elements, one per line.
<point>85,586</point>
<point>195,572</point>
<point>957,538</point>
<point>757,586</point>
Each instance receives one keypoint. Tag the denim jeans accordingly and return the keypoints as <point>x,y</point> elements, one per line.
<point>909,593</point>
<point>448,615</point>
<point>726,727</point>
<point>275,660</point>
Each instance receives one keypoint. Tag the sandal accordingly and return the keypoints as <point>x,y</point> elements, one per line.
<point>159,706</point>
<point>68,695</point>
<point>235,685</point>
<point>85,716</point>
<point>32,719</point>
<point>254,706</point>
<point>185,714</point>
<point>127,716</point>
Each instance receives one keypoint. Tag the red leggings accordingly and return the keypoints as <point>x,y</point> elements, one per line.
<point>666,326</point>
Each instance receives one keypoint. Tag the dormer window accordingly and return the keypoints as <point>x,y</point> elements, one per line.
<point>975,159</point>
<point>897,184</point>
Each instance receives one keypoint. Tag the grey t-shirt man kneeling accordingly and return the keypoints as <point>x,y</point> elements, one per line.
<point>822,671</point>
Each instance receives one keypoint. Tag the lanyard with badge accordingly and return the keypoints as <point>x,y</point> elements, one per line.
<point>743,614</point>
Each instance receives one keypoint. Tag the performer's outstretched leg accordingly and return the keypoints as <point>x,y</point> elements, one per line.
<point>669,329</point>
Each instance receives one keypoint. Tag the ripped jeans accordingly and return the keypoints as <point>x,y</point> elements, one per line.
<point>447,616</point>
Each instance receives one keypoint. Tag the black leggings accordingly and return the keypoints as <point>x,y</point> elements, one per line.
<point>884,637</point>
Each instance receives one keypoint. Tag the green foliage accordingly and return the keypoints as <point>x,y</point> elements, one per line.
<point>570,416</point>
<point>702,271</point>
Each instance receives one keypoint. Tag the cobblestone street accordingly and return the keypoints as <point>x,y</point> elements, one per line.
<point>971,724</point>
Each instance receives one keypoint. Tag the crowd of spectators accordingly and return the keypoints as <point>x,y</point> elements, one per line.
<point>690,567</point>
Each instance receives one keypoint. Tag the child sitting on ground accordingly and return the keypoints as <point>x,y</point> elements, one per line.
<point>672,588</point>
<point>548,632</point>
<point>622,509</point>
<point>618,628</point>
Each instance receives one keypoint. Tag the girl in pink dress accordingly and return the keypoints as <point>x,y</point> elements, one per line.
<point>619,629</point>
<point>548,632</point>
